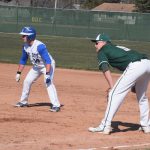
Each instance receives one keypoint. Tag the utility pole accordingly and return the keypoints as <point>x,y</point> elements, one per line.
<point>55,4</point>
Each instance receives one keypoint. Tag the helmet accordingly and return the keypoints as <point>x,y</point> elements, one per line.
<point>30,32</point>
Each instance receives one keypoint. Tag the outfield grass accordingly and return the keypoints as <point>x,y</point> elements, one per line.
<point>68,52</point>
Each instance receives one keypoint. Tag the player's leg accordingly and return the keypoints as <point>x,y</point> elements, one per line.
<point>52,93</point>
<point>120,90</point>
<point>141,88</point>
<point>32,75</point>
<point>115,99</point>
<point>123,86</point>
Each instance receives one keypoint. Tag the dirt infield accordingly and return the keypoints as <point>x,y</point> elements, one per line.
<point>83,95</point>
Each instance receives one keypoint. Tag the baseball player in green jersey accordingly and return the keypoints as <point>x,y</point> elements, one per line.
<point>136,74</point>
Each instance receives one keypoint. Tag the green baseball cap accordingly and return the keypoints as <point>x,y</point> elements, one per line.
<point>102,37</point>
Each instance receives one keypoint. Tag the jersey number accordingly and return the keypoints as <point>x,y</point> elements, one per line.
<point>35,59</point>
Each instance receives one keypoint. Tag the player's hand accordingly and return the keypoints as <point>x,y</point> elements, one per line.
<point>18,76</point>
<point>48,79</point>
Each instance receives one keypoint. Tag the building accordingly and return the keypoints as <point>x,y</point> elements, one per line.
<point>121,7</point>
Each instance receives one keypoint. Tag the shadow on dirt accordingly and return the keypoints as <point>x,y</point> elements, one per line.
<point>127,126</point>
<point>42,104</point>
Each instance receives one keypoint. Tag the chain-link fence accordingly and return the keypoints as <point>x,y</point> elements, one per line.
<point>76,23</point>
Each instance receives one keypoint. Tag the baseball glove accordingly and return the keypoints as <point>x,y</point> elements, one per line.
<point>133,89</point>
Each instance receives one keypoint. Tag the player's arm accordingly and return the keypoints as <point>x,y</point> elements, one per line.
<point>45,56</point>
<point>107,74</point>
<point>23,61</point>
<point>108,77</point>
<point>20,68</point>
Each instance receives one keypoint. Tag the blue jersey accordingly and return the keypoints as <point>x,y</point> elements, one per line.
<point>38,54</point>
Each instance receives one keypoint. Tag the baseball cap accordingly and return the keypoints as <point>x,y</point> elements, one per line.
<point>101,37</point>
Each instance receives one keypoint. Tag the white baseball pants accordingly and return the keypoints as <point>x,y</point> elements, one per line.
<point>137,73</point>
<point>32,76</point>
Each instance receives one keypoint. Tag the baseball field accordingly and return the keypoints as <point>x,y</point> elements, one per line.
<point>82,93</point>
<point>83,98</point>
<point>72,53</point>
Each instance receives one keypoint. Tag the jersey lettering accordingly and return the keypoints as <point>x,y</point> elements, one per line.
<point>124,48</point>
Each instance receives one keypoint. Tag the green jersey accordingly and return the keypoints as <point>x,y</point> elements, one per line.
<point>117,56</point>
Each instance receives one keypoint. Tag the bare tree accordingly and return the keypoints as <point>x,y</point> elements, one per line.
<point>46,3</point>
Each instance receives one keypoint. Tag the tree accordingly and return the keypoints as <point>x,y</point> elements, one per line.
<point>142,5</point>
<point>89,4</point>
<point>6,1</point>
<point>112,1</point>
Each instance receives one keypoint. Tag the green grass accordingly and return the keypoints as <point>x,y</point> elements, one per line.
<point>76,53</point>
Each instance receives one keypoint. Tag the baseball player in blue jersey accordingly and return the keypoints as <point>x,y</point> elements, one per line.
<point>136,76</point>
<point>43,63</point>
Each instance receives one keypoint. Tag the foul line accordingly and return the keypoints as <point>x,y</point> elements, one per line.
<point>88,149</point>
<point>127,146</point>
<point>115,147</point>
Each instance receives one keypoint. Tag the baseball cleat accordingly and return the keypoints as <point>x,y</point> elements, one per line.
<point>54,109</point>
<point>105,130</point>
<point>19,104</point>
<point>145,129</point>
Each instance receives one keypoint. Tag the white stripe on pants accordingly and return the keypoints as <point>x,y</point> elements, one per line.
<point>136,73</point>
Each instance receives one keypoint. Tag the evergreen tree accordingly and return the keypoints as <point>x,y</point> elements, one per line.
<point>143,5</point>
<point>89,4</point>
